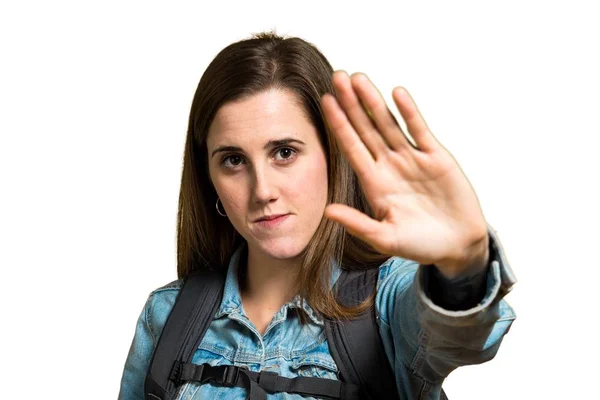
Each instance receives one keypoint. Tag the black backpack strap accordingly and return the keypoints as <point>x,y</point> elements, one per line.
<point>259,383</point>
<point>355,344</point>
<point>194,309</point>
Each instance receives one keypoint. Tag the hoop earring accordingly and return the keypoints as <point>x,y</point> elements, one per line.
<point>217,206</point>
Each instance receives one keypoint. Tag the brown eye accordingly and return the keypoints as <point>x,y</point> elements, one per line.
<point>232,157</point>
<point>286,150</point>
<point>231,161</point>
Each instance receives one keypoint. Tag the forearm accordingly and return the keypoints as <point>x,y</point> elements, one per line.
<point>438,324</point>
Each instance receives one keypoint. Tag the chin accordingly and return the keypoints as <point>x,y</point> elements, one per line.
<point>282,248</point>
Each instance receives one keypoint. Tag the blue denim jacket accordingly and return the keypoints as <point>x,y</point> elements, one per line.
<point>423,341</point>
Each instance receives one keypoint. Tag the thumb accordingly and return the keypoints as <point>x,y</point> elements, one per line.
<point>356,222</point>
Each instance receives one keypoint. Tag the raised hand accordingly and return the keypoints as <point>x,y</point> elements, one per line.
<point>426,210</point>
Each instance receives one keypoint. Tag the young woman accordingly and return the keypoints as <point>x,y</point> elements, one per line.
<point>293,173</point>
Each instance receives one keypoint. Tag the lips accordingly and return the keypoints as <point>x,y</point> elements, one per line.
<point>269,218</point>
<point>273,222</point>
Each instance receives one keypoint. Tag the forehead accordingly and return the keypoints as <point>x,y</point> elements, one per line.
<point>260,117</point>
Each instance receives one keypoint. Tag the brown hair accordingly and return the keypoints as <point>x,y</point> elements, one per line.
<point>207,240</point>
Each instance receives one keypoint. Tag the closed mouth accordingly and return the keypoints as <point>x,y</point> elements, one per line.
<point>270,218</point>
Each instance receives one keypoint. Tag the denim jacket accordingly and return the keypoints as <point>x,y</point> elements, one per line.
<point>423,341</point>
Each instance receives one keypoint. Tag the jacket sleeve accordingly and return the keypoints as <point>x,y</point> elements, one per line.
<point>147,332</point>
<point>459,293</point>
<point>424,339</point>
<point>138,358</point>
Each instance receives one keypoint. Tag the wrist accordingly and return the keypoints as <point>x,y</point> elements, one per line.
<point>476,258</point>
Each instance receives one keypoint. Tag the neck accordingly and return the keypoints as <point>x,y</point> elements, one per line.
<point>265,281</point>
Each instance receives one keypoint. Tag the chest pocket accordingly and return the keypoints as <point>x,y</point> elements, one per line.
<point>315,362</point>
<point>214,356</point>
<point>314,367</point>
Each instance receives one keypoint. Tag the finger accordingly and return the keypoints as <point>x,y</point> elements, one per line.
<point>357,223</point>
<point>382,116</point>
<point>357,115</point>
<point>352,146</point>
<point>414,120</point>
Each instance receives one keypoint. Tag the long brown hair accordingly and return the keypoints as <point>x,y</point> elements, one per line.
<point>207,240</point>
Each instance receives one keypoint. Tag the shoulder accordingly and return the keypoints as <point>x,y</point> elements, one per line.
<point>165,294</point>
<point>159,305</point>
<point>395,278</point>
<point>396,270</point>
<point>173,286</point>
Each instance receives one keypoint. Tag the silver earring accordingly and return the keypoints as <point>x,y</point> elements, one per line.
<point>217,205</point>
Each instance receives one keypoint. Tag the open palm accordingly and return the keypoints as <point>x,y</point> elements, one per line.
<point>426,210</point>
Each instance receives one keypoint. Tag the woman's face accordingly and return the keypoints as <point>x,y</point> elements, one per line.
<point>261,178</point>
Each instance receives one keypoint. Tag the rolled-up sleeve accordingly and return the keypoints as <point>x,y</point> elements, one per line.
<point>427,340</point>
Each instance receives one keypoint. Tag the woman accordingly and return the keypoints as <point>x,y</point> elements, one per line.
<point>315,176</point>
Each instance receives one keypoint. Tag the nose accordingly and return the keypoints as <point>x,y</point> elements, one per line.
<point>264,188</point>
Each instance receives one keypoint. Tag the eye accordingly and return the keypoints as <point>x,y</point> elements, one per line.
<point>224,161</point>
<point>233,159</point>
<point>291,152</point>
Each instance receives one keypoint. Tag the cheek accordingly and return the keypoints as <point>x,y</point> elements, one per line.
<point>236,200</point>
<point>234,197</point>
<point>311,186</point>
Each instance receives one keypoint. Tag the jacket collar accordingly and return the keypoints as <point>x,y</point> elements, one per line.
<point>232,301</point>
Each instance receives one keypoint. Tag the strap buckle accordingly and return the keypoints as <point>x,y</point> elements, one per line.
<point>230,375</point>
<point>226,375</point>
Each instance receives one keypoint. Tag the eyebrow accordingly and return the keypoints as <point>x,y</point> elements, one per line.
<point>270,144</point>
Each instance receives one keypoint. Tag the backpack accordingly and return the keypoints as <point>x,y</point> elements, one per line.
<point>355,345</point>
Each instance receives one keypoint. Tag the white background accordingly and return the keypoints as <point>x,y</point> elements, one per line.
<point>94,101</point>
